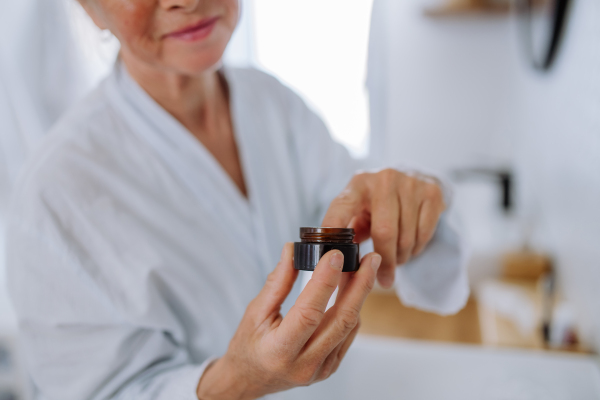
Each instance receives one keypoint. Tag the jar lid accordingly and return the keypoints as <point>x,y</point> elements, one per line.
<point>326,230</point>
<point>325,234</point>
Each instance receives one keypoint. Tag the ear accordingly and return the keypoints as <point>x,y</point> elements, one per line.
<point>93,10</point>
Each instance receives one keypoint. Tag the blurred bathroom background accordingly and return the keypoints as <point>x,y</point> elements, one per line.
<point>446,86</point>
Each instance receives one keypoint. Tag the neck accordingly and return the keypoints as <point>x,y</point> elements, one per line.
<point>193,100</point>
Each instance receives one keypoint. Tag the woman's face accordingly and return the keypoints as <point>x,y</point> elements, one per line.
<point>183,36</point>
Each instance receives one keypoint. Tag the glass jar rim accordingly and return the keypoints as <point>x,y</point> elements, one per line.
<point>327,235</point>
<point>327,231</point>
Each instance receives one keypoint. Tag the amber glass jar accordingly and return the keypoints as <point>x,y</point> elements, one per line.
<point>314,242</point>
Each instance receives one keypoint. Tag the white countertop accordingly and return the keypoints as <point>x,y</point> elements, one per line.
<point>383,368</point>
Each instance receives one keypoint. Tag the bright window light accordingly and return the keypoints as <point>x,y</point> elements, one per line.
<point>98,48</point>
<point>319,48</point>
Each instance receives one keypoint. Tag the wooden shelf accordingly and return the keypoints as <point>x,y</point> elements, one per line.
<point>469,7</point>
<point>383,314</point>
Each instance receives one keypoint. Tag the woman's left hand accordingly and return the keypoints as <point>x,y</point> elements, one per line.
<point>399,211</point>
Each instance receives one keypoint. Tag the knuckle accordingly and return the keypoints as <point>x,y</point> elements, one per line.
<point>432,192</point>
<point>273,285</point>
<point>310,317</point>
<point>387,177</point>
<point>410,183</point>
<point>407,243</point>
<point>417,250</point>
<point>327,369</point>
<point>384,232</point>
<point>323,283</point>
<point>348,319</point>
<point>424,236</point>
<point>402,256</point>
<point>304,376</point>
<point>271,280</point>
<point>365,288</point>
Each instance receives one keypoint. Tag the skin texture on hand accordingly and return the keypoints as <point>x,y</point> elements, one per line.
<point>398,211</point>
<point>270,353</point>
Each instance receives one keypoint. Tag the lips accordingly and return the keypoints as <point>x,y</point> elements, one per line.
<point>197,31</point>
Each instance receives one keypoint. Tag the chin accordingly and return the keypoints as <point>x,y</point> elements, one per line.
<point>192,61</point>
<point>196,65</point>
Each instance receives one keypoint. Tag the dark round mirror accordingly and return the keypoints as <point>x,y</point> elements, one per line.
<point>541,27</point>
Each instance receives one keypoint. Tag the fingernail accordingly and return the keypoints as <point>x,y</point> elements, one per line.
<point>337,261</point>
<point>385,282</point>
<point>375,262</point>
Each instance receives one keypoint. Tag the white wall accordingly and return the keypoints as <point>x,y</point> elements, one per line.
<point>559,161</point>
<point>447,83</point>
<point>457,91</point>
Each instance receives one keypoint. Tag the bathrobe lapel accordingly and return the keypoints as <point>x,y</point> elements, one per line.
<point>191,163</point>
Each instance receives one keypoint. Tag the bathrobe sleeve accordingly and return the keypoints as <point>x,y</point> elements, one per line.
<point>77,341</point>
<point>436,280</point>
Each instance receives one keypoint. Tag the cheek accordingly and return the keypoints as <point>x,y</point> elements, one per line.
<point>232,17</point>
<point>131,21</point>
<point>233,11</point>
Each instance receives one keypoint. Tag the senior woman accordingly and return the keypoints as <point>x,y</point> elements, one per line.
<point>145,232</point>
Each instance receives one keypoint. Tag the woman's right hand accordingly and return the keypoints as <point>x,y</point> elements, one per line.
<point>269,353</point>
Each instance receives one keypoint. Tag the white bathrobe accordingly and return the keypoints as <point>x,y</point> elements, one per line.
<point>132,255</point>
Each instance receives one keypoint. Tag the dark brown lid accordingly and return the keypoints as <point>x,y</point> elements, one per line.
<point>326,234</point>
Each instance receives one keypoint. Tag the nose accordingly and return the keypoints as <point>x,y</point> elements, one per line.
<point>185,5</point>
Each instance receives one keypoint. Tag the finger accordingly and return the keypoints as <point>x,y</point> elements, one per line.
<point>306,314</point>
<point>332,362</point>
<point>408,221</point>
<point>342,285</point>
<point>278,285</point>
<point>346,346</point>
<point>385,216</point>
<point>342,318</point>
<point>428,220</point>
<point>346,205</point>
<point>344,280</point>
<point>362,226</point>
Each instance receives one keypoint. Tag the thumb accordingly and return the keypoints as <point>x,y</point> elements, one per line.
<point>279,283</point>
